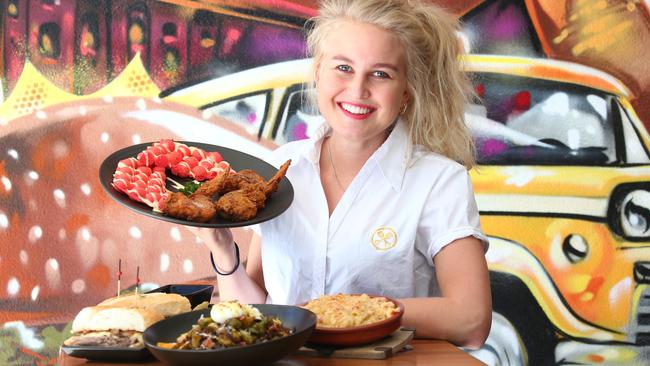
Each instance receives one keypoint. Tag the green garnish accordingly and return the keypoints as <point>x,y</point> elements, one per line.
<point>190,187</point>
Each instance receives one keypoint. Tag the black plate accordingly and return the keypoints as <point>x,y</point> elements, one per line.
<point>195,293</point>
<point>112,354</point>
<point>275,205</point>
<point>301,320</point>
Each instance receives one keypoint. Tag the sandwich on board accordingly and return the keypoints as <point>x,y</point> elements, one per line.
<point>111,326</point>
<point>120,321</point>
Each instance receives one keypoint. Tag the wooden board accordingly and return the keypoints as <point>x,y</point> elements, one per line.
<point>383,348</point>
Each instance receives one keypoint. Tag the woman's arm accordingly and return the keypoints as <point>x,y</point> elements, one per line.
<point>245,285</point>
<point>463,313</point>
<point>254,264</point>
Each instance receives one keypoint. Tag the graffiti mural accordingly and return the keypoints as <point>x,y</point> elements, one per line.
<point>561,129</point>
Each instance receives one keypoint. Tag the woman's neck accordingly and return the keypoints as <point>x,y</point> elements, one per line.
<point>353,151</point>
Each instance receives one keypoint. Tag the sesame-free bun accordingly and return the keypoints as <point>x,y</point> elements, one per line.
<point>100,318</point>
<point>163,303</point>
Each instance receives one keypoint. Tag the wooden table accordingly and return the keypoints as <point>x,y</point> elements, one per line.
<point>424,353</point>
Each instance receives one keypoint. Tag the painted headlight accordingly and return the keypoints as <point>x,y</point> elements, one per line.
<point>575,248</point>
<point>634,214</point>
<point>628,211</point>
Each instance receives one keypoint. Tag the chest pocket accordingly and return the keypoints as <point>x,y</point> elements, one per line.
<point>386,263</point>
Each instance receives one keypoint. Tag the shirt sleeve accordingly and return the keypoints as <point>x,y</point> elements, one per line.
<point>450,213</point>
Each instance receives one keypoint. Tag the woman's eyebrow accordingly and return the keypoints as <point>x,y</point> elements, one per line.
<point>341,58</point>
<point>386,66</point>
<point>381,65</point>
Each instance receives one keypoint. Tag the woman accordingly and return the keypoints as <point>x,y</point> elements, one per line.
<point>383,202</point>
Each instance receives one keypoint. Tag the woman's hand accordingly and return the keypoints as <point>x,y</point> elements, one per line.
<point>217,240</point>
<point>245,285</point>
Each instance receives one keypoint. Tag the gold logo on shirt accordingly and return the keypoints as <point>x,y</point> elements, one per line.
<point>384,238</point>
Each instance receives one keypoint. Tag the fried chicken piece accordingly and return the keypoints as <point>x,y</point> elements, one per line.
<point>241,179</point>
<point>274,182</point>
<point>197,208</point>
<point>236,206</point>
<point>243,204</point>
<point>214,185</point>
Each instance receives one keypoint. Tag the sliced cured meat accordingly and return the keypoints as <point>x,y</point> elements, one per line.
<point>143,178</point>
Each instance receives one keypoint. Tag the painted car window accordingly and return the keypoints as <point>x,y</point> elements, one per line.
<point>247,112</point>
<point>299,119</point>
<point>531,121</point>
<point>635,152</point>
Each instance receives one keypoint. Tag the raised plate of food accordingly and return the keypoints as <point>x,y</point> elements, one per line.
<point>197,184</point>
<point>112,330</point>
<point>351,320</point>
<point>230,333</point>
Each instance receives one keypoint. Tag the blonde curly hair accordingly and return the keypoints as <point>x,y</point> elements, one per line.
<point>438,89</point>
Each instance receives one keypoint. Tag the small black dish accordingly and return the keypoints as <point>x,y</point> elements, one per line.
<point>302,321</point>
<point>195,293</point>
<point>110,354</point>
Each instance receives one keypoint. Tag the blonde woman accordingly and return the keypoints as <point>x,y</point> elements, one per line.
<point>383,201</point>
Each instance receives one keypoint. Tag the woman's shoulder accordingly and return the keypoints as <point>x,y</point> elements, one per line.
<point>434,162</point>
<point>293,150</point>
<point>440,176</point>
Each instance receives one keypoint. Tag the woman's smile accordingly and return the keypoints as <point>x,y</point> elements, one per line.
<point>356,111</point>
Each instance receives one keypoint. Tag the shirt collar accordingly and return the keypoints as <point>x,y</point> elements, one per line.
<point>312,147</point>
<point>391,157</point>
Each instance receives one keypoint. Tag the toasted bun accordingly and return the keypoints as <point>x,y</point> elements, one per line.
<point>98,318</point>
<point>165,304</point>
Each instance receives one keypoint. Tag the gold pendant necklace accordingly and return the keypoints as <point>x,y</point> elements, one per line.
<point>329,150</point>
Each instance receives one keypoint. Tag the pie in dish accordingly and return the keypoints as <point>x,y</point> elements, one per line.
<point>344,311</point>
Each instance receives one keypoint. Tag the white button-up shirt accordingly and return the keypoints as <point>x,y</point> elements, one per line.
<point>383,234</point>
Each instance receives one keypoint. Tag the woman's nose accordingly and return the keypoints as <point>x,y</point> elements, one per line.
<point>359,87</point>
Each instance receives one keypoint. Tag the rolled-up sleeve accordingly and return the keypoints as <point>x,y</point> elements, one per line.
<point>450,213</point>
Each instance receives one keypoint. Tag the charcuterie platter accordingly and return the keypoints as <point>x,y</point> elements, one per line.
<point>196,184</point>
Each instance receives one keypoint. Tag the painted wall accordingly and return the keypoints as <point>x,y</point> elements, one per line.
<point>562,186</point>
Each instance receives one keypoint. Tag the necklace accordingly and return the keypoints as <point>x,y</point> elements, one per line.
<point>329,151</point>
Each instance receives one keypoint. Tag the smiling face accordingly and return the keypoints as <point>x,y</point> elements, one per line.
<point>361,81</point>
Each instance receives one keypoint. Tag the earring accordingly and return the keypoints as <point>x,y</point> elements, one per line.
<point>401,113</point>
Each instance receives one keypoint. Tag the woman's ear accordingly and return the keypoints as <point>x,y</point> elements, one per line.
<point>405,97</point>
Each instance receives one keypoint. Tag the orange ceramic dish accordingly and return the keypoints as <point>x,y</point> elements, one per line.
<point>352,336</point>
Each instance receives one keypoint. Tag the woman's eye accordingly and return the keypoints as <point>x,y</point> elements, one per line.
<point>344,68</point>
<point>381,74</point>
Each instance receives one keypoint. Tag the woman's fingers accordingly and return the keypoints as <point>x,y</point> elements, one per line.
<point>214,239</point>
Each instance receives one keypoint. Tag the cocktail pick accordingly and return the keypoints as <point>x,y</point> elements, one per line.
<point>137,280</point>
<point>119,277</point>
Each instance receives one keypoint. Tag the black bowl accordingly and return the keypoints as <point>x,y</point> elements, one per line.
<point>301,321</point>
<point>195,293</point>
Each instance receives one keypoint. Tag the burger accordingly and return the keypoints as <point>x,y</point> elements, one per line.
<point>111,326</point>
